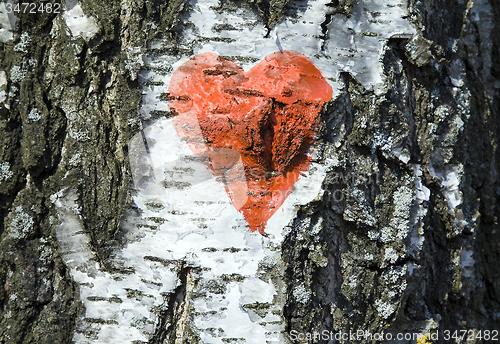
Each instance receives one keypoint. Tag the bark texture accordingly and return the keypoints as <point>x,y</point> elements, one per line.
<point>403,238</point>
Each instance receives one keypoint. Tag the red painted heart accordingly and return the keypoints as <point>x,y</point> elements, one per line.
<point>252,129</point>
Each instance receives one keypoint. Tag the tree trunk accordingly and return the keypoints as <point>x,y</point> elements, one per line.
<point>114,230</point>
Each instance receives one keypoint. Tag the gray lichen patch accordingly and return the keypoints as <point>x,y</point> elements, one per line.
<point>21,225</point>
<point>24,43</point>
<point>318,258</point>
<point>34,115</point>
<point>17,74</point>
<point>5,172</point>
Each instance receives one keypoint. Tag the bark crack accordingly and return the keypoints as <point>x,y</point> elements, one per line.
<point>337,7</point>
<point>173,319</point>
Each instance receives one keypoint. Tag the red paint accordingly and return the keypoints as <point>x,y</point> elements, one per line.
<point>266,117</point>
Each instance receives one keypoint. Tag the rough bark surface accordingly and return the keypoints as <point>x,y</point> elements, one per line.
<point>404,236</point>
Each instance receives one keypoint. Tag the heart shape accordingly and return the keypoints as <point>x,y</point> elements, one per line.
<point>253,130</point>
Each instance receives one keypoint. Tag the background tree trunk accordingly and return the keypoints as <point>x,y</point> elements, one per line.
<point>401,236</point>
